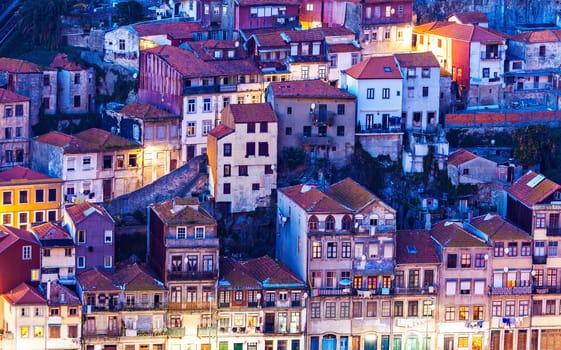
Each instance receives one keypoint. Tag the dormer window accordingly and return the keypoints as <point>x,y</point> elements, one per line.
<point>181,232</point>
<point>218,54</point>
<point>557,195</point>
<point>199,232</point>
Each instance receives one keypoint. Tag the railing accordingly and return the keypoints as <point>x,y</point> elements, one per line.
<point>101,333</point>
<point>414,290</point>
<point>240,330</point>
<point>491,55</point>
<point>204,331</point>
<point>190,306</point>
<point>192,243</point>
<point>518,290</point>
<point>150,306</point>
<point>373,229</point>
<point>176,332</point>
<point>191,275</point>
<point>333,291</point>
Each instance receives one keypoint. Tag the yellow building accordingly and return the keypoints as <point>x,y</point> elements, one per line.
<point>28,197</point>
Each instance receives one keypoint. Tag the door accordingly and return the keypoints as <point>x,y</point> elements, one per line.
<point>370,342</point>
<point>172,164</point>
<point>107,189</point>
<point>190,152</point>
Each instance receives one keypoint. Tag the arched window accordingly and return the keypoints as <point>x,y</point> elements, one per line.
<point>347,223</point>
<point>313,223</point>
<point>330,223</point>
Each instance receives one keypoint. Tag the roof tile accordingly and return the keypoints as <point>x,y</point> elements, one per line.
<point>309,89</point>
<point>529,195</point>
<point>381,67</point>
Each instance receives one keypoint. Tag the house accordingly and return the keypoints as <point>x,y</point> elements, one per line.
<point>58,253</point>
<point>415,289</point>
<point>465,167</point>
<point>18,248</point>
<point>250,14</point>
<point>269,50</point>
<point>476,18</point>
<point>16,129</point>
<point>462,309</point>
<point>92,230</point>
<point>260,301</point>
<point>155,129</point>
<point>183,249</point>
<point>95,165</point>
<point>29,197</point>
<point>242,157</point>
<point>315,116</point>
<point>307,58</point>
<point>75,86</point>
<point>323,13</point>
<point>25,79</point>
<point>342,50</point>
<point>377,83</point>
<point>472,54</point>
<point>123,44</point>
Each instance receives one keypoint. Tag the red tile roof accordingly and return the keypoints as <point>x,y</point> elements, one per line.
<point>417,59</point>
<point>452,234</point>
<point>220,131</point>
<point>498,229</point>
<point>253,112</point>
<point>182,213</point>
<point>106,140</point>
<point>234,275</point>
<point>79,212</point>
<point>50,231</point>
<point>272,273</point>
<point>336,48</point>
<point>474,17</point>
<point>538,36</point>
<point>270,39</point>
<point>19,174</point>
<point>175,29</point>
<point>60,295</point>
<point>7,96</point>
<point>146,112</point>
<point>24,294</point>
<point>415,247</point>
<point>309,89</point>
<point>460,157</point>
<point>135,276</point>
<point>91,140</point>
<point>13,65</point>
<point>61,61</point>
<point>462,32</point>
<point>382,67</point>
<point>205,49</point>
<point>313,200</point>
<point>522,190</point>
<point>303,35</point>
<point>93,280</point>
<point>9,235</point>
<point>351,194</point>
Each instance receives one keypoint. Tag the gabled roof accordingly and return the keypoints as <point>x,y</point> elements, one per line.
<point>337,48</point>
<point>382,67</point>
<point>19,174</point>
<point>80,212</point>
<point>532,188</point>
<point>7,96</point>
<point>309,89</point>
<point>252,112</point>
<point>205,49</point>
<point>538,36</point>
<point>272,274</point>
<point>417,59</point>
<point>175,212</point>
<point>351,194</point>
<point>51,231</point>
<point>234,275</point>
<point>460,157</point>
<point>13,65</point>
<point>313,200</point>
<point>498,229</point>
<point>415,247</point>
<point>9,235</point>
<point>61,61</point>
<point>270,39</point>
<point>220,131</point>
<point>60,295</point>
<point>462,32</point>
<point>24,294</point>
<point>303,35</point>
<point>146,112</point>
<point>175,29</point>
<point>134,276</point>
<point>91,140</point>
<point>106,140</point>
<point>474,17</point>
<point>93,280</point>
<point>451,234</point>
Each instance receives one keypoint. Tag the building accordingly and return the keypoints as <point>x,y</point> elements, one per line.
<point>92,230</point>
<point>323,13</point>
<point>465,167</point>
<point>249,14</point>
<point>23,78</point>
<point>242,157</point>
<point>18,248</point>
<point>58,253</point>
<point>377,83</point>
<point>155,129</point>
<point>315,116</point>
<point>75,86</point>
<point>95,165</point>
<point>29,197</point>
<point>15,123</point>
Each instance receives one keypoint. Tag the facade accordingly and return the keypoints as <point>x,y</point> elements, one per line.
<point>156,130</point>
<point>23,78</point>
<point>242,157</point>
<point>75,85</point>
<point>315,116</point>
<point>95,165</point>
<point>249,14</point>
<point>18,248</point>
<point>377,83</point>
<point>64,316</point>
<point>183,250</point>
<point>465,167</point>
<point>58,254</point>
<point>92,230</point>
<point>29,197</point>
<point>16,129</point>
<point>323,13</point>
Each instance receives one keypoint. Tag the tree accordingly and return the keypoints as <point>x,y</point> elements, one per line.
<point>129,12</point>
<point>534,144</point>
<point>40,21</point>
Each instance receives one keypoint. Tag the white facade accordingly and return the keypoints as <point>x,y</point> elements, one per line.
<point>421,92</point>
<point>122,47</point>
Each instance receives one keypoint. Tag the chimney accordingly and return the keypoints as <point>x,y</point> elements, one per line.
<point>48,290</point>
<point>427,221</point>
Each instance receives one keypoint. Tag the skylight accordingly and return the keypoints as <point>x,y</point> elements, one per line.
<point>535,181</point>
<point>411,249</point>
<point>387,69</point>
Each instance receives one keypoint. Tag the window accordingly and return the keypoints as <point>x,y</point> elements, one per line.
<point>413,278</point>
<point>227,150</point>
<point>385,93</point>
<point>81,262</point>
<point>523,308</point>
<point>305,72</point>
<point>398,309</point>
<point>250,149</point>
<point>242,170</point>
<point>313,223</point>
<point>191,105</point>
<point>23,197</point>
<point>451,287</point>
<point>206,105</point>
<point>499,249</point>
<point>540,220</point>
<point>77,78</point>
<point>7,219</point>
<point>485,73</point>
<point>550,306</point>
<point>340,130</point>
<point>38,331</point>
<point>370,93</point>
<point>26,252</point>
<point>510,308</point>
<point>226,188</point>
<point>87,163</point>
<point>227,170</point>
<point>354,58</point>
<point>107,162</point>
<point>81,236</point>
<point>7,197</point>
<point>208,263</point>
<point>288,131</point>
<point>19,132</point>
<point>512,249</point>
<point>39,216</point>
<point>263,127</point>
<point>316,250</point>
<point>315,310</point>
<point>191,129</point>
<point>263,149</point>
<point>251,127</point>
<point>108,261</point>
<point>479,260</point>
<point>525,249</point>
<point>542,51</point>
<point>288,110</point>
<point>412,308</point>
<point>344,309</point>
<point>77,101</point>
<point>307,130</point>
<point>539,248</point>
<point>8,134</point>
<point>371,309</point>
<point>322,72</point>
<point>199,232</point>
<point>330,309</point>
<point>357,309</point>
<point>425,91</point>
<point>466,260</point>
<point>552,248</point>
<point>496,308</point>
<point>425,73</point>
<point>332,250</point>
<point>451,261</point>
<point>464,313</point>
<point>465,286</point>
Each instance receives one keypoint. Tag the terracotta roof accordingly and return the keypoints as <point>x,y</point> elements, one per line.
<point>309,89</point>
<point>542,188</point>
<point>304,35</point>
<point>417,59</point>
<point>498,229</point>
<point>538,36</point>
<point>60,295</point>
<point>175,29</point>
<point>351,194</point>
<point>91,140</point>
<point>272,274</point>
<point>7,96</point>
<point>134,276</point>
<point>336,48</point>
<point>452,234</point>
<point>462,32</point>
<point>19,173</point>
<point>253,112</point>
<point>267,2</point>
<point>234,275</point>
<point>415,247</point>
<point>51,231</point>
<point>182,214</point>
<point>13,65</point>
<point>382,67</point>
<point>146,112</point>
<point>105,139</point>
<point>474,17</point>
<point>460,157</point>
<point>80,212</point>
<point>313,200</point>
<point>24,294</point>
<point>9,235</point>
<point>205,49</point>
<point>270,39</point>
<point>220,131</point>
<point>61,61</point>
<point>93,280</point>
<point>336,31</point>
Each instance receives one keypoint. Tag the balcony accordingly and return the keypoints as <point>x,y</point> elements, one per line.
<point>228,88</point>
<point>240,330</point>
<point>204,331</point>
<point>414,290</point>
<point>101,333</point>
<point>140,307</point>
<point>491,55</point>
<point>517,290</point>
<point>322,118</point>
<point>539,259</point>
<point>191,243</point>
<point>373,229</point>
<point>332,291</point>
<point>554,231</point>
<point>190,306</point>
<point>196,90</point>
<point>191,275</point>
<point>176,332</point>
